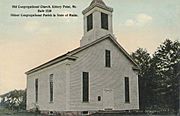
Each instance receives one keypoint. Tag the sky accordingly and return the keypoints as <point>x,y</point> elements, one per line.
<point>28,42</point>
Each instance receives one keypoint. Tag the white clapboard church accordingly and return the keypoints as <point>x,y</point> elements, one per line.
<point>99,75</point>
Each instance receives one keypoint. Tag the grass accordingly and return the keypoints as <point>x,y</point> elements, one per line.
<point>6,112</point>
<point>20,114</point>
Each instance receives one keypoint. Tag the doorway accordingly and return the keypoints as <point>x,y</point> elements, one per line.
<point>108,99</point>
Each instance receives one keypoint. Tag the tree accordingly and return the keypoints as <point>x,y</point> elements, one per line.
<point>159,77</point>
<point>143,59</point>
<point>166,61</point>
<point>14,100</point>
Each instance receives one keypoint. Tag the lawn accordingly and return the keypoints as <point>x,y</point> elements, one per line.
<point>6,112</point>
<point>20,114</point>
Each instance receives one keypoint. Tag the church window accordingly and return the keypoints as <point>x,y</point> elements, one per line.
<point>36,90</point>
<point>108,58</point>
<point>127,90</point>
<point>51,87</point>
<point>104,21</point>
<point>99,98</point>
<point>85,113</point>
<point>85,87</point>
<point>89,22</point>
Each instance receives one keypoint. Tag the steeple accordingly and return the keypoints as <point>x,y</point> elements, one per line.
<point>97,21</point>
<point>97,2</point>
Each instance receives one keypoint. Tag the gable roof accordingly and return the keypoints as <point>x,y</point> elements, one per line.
<point>70,55</point>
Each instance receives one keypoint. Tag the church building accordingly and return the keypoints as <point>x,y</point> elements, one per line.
<point>99,75</point>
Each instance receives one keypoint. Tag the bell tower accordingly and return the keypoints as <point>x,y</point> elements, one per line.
<point>97,22</point>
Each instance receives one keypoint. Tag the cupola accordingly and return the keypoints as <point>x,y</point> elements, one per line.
<point>97,22</point>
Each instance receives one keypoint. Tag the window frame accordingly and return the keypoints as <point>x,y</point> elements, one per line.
<point>127,89</point>
<point>85,99</point>
<point>51,88</point>
<point>36,89</point>
<point>89,22</point>
<point>107,58</point>
<point>104,21</point>
<point>99,98</point>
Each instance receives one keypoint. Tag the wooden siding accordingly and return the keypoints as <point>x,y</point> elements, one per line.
<point>92,60</point>
<point>59,102</point>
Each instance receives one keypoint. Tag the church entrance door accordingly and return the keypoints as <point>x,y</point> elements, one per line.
<point>108,99</point>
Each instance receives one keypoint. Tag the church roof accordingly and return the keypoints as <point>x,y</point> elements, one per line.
<point>70,54</point>
<point>97,3</point>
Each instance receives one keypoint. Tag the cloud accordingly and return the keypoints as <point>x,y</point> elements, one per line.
<point>139,20</point>
<point>143,18</point>
<point>32,26</point>
<point>130,22</point>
